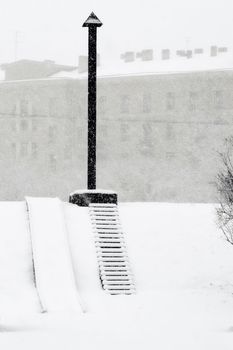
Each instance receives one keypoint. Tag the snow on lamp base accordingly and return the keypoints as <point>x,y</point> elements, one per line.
<point>85,197</point>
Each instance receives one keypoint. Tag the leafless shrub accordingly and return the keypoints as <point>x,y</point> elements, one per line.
<point>224,185</point>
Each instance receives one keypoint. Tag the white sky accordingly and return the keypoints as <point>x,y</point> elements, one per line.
<point>52,29</point>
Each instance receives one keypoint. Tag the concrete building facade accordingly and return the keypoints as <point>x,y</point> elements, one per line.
<point>158,135</point>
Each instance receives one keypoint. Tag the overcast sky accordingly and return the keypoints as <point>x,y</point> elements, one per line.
<point>52,29</point>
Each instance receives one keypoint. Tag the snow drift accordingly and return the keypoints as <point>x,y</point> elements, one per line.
<point>53,269</point>
<point>183,271</point>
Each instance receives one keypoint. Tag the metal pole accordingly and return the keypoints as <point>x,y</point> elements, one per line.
<point>92,23</point>
<point>91,181</point>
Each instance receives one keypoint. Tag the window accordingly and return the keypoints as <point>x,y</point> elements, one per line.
<point>218,99</point>
<point>170,101</point>
<point>125,155</point>
<point>52,162</point>
<point>67,152</point>
<point>195,163</point>
<point>147,133</point>
<point>125,100</point>
<point>34,150</point>
<point>52,106</point>
<point>24,149</point>
<point>34,125</point>
<point>103,130</point>
<point>13,125</point>
<point>52,132</point>
<point>193,96</point>
<point>146,103</point>
<point>170,155</point>
<point>146,144</point>
<point>170,131</point>
<point>102,104</point>
<point>13,150</point>
<point>124,131</point>
<point>24,107</point>
<point>14,109</point>
<point>23,125</point>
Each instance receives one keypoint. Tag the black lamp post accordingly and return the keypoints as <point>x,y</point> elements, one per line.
<point>92,23</point>
<point>91,195</point>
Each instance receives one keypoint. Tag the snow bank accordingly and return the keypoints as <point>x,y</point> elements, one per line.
<point>51,255</point>
<point>183,269</point>
<point>18,294</point>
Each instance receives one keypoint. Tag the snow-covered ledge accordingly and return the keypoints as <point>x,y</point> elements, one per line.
<point>85,197</point>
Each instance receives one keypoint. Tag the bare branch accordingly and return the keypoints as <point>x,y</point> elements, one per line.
<point>224,185</point>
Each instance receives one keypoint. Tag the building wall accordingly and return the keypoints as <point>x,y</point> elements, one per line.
<point>158,136</point>
<point>37,140</point>
<point>168,139</point>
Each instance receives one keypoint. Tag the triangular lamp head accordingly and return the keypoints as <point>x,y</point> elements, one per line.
<point>92,20</point>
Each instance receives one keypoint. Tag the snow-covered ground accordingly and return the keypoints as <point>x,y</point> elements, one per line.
<point>183,269</point>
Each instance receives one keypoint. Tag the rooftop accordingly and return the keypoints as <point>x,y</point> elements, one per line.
<point>137,67</point>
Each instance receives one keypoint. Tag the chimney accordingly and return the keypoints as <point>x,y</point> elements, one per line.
<point>198,51</point>
<point>83,63</point>
<point>145,55</point>
<point>128,56</point>
<point>222,49</point>
<point>165,54</point>
<point>189,54</point>
<point>213,51</point>
<point>183,53</point>
<point>180,53</point>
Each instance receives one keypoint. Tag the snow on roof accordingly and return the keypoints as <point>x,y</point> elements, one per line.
<point>119,68</point>
<point>138,67</point>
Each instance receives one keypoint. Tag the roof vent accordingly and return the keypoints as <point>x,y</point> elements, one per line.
<point>222,49</point>
<point>165,54</point>
<point>198,51</point>
<point>189,54</point>
<point>213,51</point>
<point>128,56</point>
<point>184,53</point>
<point>180,53</point>
<point>145,55</point>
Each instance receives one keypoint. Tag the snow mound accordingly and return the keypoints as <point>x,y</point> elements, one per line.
<point>18,294</point>
<point>54,275</point>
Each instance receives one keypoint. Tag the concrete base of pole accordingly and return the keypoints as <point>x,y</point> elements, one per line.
<point>85,197</point>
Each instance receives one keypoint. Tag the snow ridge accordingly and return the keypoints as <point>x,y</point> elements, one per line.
<point>52,262</point>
